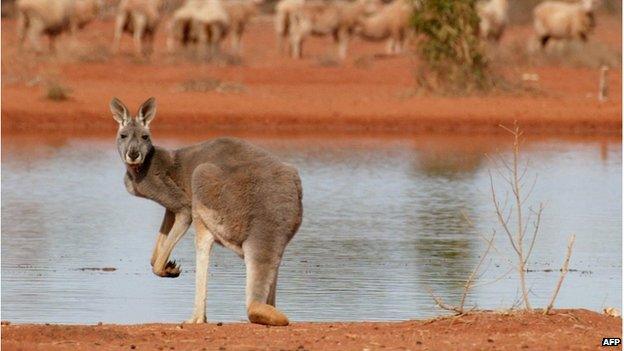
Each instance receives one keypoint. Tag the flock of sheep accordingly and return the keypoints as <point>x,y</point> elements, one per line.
<point>205,23</point>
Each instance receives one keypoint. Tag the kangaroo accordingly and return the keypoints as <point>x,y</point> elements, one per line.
<point>236,194</point>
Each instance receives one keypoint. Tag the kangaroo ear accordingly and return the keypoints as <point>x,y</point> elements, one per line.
<point>147,111</point>
<point>120,111</point>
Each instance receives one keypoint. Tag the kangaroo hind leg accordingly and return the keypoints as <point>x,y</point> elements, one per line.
<point>203,245</point>
<point>261,268</point>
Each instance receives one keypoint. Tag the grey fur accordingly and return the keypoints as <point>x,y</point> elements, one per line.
<point>238,195</point>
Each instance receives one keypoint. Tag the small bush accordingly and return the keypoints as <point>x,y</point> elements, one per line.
<point>57,92</point>
<point>450,48</point>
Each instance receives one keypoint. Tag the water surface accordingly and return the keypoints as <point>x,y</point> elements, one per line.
<point>382,226</point>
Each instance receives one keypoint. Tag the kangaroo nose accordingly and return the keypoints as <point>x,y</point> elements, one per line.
<point>133,155</point>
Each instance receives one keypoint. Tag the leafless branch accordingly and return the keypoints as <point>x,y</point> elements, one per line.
<point>501,219</point>
<point>564,271</point>
<point>536,226</point>
<point>440,303</point>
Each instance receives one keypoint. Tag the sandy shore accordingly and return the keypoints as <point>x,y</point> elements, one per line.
<point>267,92</point>
<point>562,330</point>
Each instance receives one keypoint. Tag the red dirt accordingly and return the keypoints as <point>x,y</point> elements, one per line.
<point>562,330</point>
<point>273,93</point>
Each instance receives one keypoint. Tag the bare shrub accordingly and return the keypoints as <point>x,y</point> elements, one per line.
<point>521,225</point>
<point>516,212</point>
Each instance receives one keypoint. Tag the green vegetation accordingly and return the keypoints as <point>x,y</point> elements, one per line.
<point>452,54</point>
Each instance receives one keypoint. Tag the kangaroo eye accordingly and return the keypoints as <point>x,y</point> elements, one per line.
<point>123,136</point>
<point>145,137</point>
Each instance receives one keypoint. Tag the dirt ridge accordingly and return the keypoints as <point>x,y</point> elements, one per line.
<point>565,329</point>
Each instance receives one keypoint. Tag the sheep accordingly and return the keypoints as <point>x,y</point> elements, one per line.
<point>337,18</point>
<point>211,24</point>
<point>179,29</point>
<point>391,23</point>
<point>52,17</point>
<point>240,13</point>
<point>313,17</point>
<point>562,20</point>
<point>492,18</point>
<point>140,18</point>
<point>283,12</point>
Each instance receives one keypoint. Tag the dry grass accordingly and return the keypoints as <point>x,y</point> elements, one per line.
<point>201,85</point>
<point>328,61</point>
<point>591,54</point>
<point>56,91</point>
<point>521,12</point>
<point>204,85</point>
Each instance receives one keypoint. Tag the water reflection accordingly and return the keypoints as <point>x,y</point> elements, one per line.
<point>443,203</point>
<point>383,221</point>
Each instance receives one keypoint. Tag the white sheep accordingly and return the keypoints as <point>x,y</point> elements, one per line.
<point>314,17</point>
<point>211,25</point>
<point>337,18</point>
<point>140,18</point>
<point>240,13</point>
<point>52,17</point>
<point>179,29</point>
<point>391,23</point>
<point>283,15</point>
<point>562,20</point>
<point>493,18</point>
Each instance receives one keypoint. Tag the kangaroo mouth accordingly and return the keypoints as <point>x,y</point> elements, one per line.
<point>133,162</point>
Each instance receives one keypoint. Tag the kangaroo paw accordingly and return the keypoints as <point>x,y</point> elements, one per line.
<point>261,313</point>
<point>171,270</point>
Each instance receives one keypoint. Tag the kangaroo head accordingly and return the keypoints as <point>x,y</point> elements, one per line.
<point>134,141</point>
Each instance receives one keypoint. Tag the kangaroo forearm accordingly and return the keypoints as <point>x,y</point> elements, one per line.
<point>161,266</point>
<point>167,222</point>
<point>174,205</point>
<point>170,196</point>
